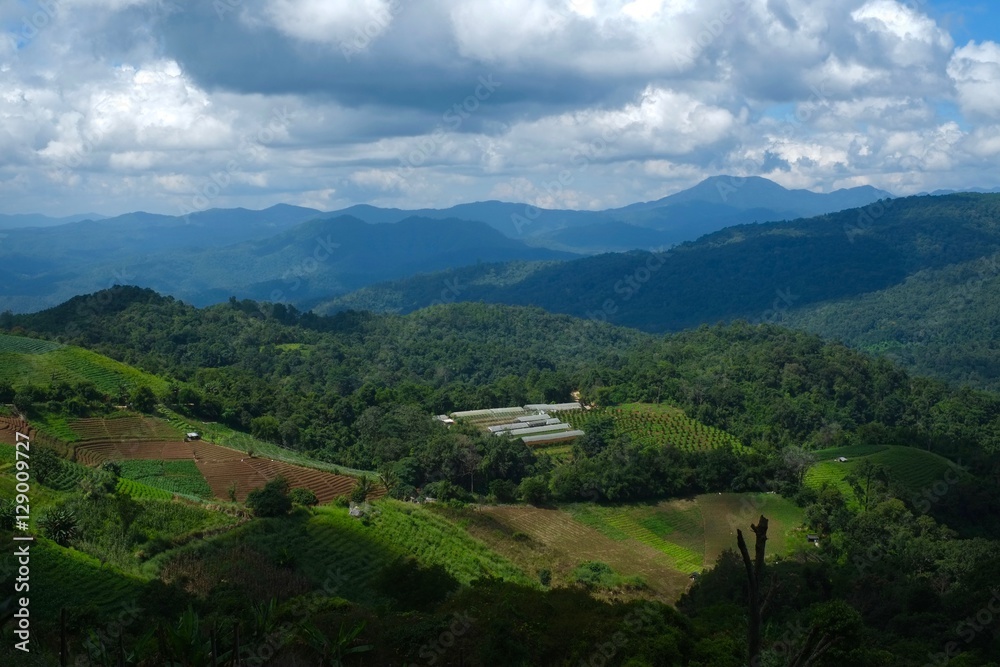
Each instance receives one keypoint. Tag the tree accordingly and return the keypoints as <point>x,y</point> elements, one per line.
<point>114,468</point>
<point>143,399</point>
<point>364,487</point>
<point>755,570</point>
<point>97,483</point>
<point>870,483</point>
<point>303,496</point>
<point>266,428</point>
<point>271,500</point>
<point>534,490</point>
<point>797,461</point>
<point>45,464</point>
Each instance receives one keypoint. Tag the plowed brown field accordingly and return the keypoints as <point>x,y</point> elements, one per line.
<point>140,438</point>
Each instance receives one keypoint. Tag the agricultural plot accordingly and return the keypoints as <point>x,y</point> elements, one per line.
<point>220,467</point>
<point>69,578</point>
<point>227,437</point>
<point>22,345</point>
<point>344,555</point>
<point>909,468</point>
<point>27,361</point>
<point>181,477</point>
<point>662,542</point>
<point>558,530</point>
<point>658,425</point>
<point>126,427</point>
<point>140,491</point>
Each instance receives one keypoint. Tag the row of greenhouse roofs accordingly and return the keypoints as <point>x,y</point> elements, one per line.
<point>533,423</point>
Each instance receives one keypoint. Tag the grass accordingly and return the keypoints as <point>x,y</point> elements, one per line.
<point>181,477</point>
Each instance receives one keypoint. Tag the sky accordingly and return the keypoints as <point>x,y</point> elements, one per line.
<point>173,106</point>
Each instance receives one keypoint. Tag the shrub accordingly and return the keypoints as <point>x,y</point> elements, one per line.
<point>503,490</point>
<point>8,513</point>
<point>114,468</point>
<point>534,490</point>
<point>272,500</point>
<point>361,491</point>
<point>445,490</point>
<point>59,524</point>
<point>303,496</point>
<point>45,464</point>
<point>97,484</point>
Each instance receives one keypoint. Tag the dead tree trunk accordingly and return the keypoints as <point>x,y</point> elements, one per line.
<point>755,570</point>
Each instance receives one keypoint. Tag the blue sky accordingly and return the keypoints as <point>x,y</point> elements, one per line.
<point>179,105</point>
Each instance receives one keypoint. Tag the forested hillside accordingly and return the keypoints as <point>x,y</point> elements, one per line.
<point>689,437</point>
<point>910,276</point>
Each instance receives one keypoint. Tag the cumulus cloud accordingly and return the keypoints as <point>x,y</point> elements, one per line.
<point>975,69</point>
<point>120,105</point>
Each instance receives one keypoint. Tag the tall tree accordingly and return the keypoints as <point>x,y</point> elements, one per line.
<point>755,570</point>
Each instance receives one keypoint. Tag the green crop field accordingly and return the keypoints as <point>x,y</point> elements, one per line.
<point>172,476</point>
<point>141,491</point>
<point>22,345</point>
<point>909,468</point>
<point>329,543</point>
<point>69,578</point>
<point>28,361</point>
<point>657,425</point>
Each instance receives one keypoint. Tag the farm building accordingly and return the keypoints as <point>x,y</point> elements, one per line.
<point>192,436</point>
<point>532,423</point>
<point>549,438</point>
<point>554,407</point>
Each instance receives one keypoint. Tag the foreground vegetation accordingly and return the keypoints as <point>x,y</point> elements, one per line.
<point>693,437</point>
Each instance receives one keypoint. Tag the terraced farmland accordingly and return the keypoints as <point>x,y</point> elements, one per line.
<point>30,361</point>
<point>221,466</point>
<point>181,477</point>
<point>910,468</point>
<point>22,345</point>
<point>131,427</point>
<point>11,426</point>
<point>658,425</point>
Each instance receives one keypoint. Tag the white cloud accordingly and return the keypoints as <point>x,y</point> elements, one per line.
<point>331,22</point>
<point>975,70</point>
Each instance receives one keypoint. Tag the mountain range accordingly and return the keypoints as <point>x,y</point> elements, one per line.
<point>285,252</point>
